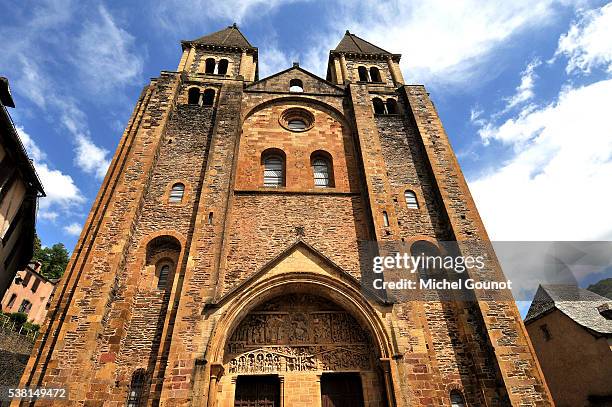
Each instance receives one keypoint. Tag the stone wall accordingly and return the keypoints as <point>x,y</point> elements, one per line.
<point>14,352</point>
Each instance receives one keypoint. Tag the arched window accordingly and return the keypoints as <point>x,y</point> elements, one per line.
<point>296,85</point>
<point>321,170</point>
<point>209,66</point>
<point>429,253</point>
<point>209,97</point>
<point>392,106</point>
<point>363,74</point>
<point>223,64</point>
<point>25,306</point>
<point>194,96</point>
<point>457,399</point>
<point>379,106</point>
<point>411,199</point>
<point>274,168</point>
<point>137,386</point>
<point>375,74</point>
<point>177,192</point>
<point>162,281</point>
<point>385,219</point>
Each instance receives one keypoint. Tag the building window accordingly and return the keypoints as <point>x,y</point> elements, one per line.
<point>546,332</point>
<point>36,284</point>
<point>363,74</point>
<point>296,125</point>
<point>296,85</point>
<point>223,64</point>
<point>177,192</point>
<point>457,399</point>
<point>25,306</point>
<point>209,97</point>
<point>375,74</point>
<point>274,171</point>
<point>392,106</point>
<point>209,66</point>
<point>321,170</point>
<point>411,200</point>
<point>11,301</point>
<point>385,219</point>
<point>193,96</point>
<point>136,395</point>
<point>379,106</point>
<point>164,271</point>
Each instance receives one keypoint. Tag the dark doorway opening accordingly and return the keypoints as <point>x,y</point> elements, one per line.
<point>341,390</point>
<point>257,391</point>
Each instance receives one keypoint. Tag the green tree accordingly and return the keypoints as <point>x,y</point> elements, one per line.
<point>603,287</point>
<point>54,259</point>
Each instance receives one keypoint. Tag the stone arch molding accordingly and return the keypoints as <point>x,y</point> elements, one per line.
<point>336,286</point>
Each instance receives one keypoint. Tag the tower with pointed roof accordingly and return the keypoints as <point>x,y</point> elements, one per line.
<point>225,259</point>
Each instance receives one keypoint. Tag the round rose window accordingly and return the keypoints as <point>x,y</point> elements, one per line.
<point>296,119</point>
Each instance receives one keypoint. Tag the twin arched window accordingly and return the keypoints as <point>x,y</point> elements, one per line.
<point>207,98</point>
<point>212,67</point>
<point>274,170</point>
<point>177,192</point>
<point>380,107</point>
<point>372,76</point>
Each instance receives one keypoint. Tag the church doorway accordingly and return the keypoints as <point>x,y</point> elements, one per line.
<point>300,348</point>
<point>257,391</point>
<point>341,390</point>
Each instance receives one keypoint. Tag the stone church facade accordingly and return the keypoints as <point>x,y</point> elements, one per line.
<point>220,263</point>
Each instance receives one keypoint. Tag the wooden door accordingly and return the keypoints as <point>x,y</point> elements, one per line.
<point>257,391</point>
<point>341,390</point>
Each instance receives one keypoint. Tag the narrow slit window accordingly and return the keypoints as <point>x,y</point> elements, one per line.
<point>385,219</point>
<point>273,171</point>
<point>164,271</point>
<point>411,200</point>
<point>321,173</point>
<point>177,192</point>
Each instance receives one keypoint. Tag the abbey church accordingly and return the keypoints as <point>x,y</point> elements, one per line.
<point>221,266</point>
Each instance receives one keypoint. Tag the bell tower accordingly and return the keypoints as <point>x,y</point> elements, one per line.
<point>358,61</point>
<point>223,54</point>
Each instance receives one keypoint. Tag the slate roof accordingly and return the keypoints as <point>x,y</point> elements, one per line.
<point>577,303</point>
<point>227,37</point>
<point>351,43</point>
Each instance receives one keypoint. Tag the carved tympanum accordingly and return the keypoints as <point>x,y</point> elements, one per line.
<point>298,333</point>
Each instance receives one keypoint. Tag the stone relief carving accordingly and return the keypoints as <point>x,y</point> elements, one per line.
<point>298,333</point>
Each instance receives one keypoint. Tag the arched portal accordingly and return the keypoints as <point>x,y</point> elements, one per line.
<point>317,335</point>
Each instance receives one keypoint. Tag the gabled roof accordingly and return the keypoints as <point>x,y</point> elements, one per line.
<point>353,44</point>
<point>227,37</point>
<point>577,303</point>
<point>296,67</point>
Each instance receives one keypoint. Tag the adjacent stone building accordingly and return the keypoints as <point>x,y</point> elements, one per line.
<point>220,264</point>
<point>19,192</point>
<point>571,331</point>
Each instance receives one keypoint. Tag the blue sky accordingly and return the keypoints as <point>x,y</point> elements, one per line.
<point>524,91</point>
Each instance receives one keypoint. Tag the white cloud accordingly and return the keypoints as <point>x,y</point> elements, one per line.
<point>105,55</point>
<point>91,158</point>
<point>524,91</point>
<point>50,216</point>
<point>588,43</point>
<point>442,42</point>
<point>60,189</point>
<point>74,229</point>
<point>272,60</point>
<point>556,185</point>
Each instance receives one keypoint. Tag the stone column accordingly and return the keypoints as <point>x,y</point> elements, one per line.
<point>216,371</point>
<point>343,68</point>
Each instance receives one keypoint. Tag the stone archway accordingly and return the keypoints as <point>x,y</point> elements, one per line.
<point>305,343</point>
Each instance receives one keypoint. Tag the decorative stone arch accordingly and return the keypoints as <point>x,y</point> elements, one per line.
<point>343,292</point>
